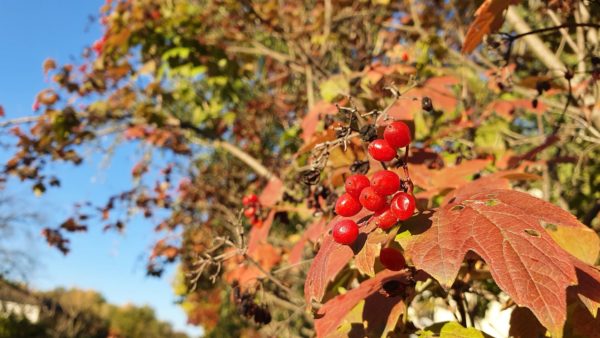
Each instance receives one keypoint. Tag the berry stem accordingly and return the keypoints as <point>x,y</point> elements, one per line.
<point>406,172</point>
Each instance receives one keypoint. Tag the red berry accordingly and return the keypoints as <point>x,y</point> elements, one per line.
<point>249,199</point>
<point>345,231</point>
<point>403,205</point>
<point>397,134</point>
<point>371,200</point>
<point>405,57</point>
<point>347,206</point>
<point>392,259</point>
<point>249,212</point>
<point>385,182</point>
<point>256,222</point>
<point>385,218</point>
<point>355,184</point>
<point>381,150</point>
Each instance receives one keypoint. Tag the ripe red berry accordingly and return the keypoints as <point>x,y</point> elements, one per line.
<point>355,184</point>
<point>371,200</point>
<point>385,182</point>
<point>381,150</point>
<point>256,222</point>
<point>250,212</point>
<point>392,259</point>
<point>347,206</point>
<point>397,134</point>
<point>385,218</point>
<point>405,57</point>
<point>403,205</point>
<point>249,199</point>
<point>345,231</point>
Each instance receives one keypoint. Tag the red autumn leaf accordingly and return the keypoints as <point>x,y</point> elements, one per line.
<point>438,89</point>
<point>312,233</point>
<point>503,228</point>
<point>2,111</point>
<point>489,18</point>
<point>263,253</point>
<point>365,259</point>
<point>312,118</point>
<point>48,65</point>
<point>259,235</point>
<point>435,181</point>
<point>332,258</point>
<point>507,108</point>
<point>272,192</point>
<point>246,272</point>
<point>376,311</point>
<point>497,180</point>
<point>134,132</point>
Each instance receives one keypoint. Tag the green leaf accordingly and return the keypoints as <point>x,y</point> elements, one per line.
<point>488,137</point>
<point>333,87</point>
<point>455,330</point>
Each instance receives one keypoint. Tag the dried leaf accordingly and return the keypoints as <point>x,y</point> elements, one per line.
<point>49,64</point>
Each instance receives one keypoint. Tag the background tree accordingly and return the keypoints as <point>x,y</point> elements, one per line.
<point>77,313</point>
<point>17,225</point>
<point>280,99</point>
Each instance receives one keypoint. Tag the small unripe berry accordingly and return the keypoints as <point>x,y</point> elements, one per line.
<point>345,231</point>
<point>381,150</point>
<point>392,259</point>
<point>355,184</point>
<point>385,182</point>
<point>347,205</point>
<point>403,205</point>
<point>397,134</point>
<point>371,200</point>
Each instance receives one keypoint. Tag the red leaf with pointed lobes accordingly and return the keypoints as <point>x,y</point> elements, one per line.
<point>376,311</point>
<point>503,228</point>
<point>312,233</point>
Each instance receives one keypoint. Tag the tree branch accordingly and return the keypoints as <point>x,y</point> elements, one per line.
<point>545,55</point>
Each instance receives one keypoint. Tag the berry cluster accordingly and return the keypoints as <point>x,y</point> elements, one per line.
<point>252,209</point>
<point>383,194</point>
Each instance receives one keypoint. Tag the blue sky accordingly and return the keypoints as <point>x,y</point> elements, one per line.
<point>113,264</point>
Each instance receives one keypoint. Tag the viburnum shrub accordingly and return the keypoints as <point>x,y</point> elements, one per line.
<point>407,157</point>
